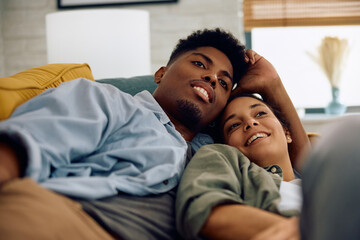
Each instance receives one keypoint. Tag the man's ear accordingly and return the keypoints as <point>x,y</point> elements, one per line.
<point>159,74</point>
<point>288,136</point>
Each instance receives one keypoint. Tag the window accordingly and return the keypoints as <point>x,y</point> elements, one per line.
<point>288,49</point>
<point>286,31</point>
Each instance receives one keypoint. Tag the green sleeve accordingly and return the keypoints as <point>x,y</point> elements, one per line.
<point>219,174</point>
<point>209,180</point>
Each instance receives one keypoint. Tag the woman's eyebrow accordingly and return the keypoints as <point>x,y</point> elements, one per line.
<point>256,105</point>
<point>251,107</point>
<point>228,118</point>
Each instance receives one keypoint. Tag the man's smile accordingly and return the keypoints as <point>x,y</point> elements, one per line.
<point>204,91</point>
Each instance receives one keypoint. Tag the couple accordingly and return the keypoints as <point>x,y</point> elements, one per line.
<point>105,164</point>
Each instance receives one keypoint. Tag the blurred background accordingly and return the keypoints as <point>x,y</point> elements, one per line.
<point>288,33</point>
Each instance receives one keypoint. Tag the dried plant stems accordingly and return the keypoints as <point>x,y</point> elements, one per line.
<point>332,55</point>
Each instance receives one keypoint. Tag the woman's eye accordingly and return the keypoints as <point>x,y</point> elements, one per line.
<point>233,126</point>
<point>199,64</point>
<point>259,114</point>
<point>223,83</point>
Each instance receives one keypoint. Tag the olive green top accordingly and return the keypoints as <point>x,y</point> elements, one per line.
<point>220,174</point>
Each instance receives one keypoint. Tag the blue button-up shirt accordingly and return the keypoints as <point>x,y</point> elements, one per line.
<point>90,140</point>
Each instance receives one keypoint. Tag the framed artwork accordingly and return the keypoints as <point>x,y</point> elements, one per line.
<point>65,4</point>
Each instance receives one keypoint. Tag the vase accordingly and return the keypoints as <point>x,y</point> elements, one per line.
<point>335,107</point>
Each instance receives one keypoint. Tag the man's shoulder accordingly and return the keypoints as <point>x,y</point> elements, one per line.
<point>200,139</point>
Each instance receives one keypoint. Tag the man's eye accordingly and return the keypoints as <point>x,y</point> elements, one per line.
<point>259,114</point>
<point>199,64</point>
<point>223,83</point>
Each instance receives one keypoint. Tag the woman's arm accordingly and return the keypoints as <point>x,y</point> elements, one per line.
<point>284,230</point>
<point>217,191</point>
<point>237,221</point>
<point>263,79</point>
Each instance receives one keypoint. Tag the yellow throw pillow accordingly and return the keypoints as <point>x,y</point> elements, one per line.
<point>22,86</point>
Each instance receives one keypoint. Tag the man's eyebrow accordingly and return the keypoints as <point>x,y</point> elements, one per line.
<point>204,56</point>
<point>225,73</point>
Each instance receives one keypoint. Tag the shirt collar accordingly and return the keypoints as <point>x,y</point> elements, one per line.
<point>149,102</point>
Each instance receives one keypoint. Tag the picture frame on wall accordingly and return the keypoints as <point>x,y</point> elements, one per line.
<point>65,4</point>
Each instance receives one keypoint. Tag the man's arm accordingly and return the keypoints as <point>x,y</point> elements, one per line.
<point>263,79</point>
<point>13,157</point>
<point>9,164</point>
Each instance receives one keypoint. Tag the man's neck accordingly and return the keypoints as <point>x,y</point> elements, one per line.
<point>185,132</point>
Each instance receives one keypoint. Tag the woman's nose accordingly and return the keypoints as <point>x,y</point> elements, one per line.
<point>250,123</point>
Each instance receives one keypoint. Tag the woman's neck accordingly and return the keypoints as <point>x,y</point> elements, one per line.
<point>285,164</point>
<point>286,167</point>
<point>288,172</point>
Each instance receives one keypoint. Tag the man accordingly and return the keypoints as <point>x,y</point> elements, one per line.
<point>93,143</point>
<point>120,157</point>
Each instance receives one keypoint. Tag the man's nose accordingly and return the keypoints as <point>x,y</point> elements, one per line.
<point>211,79</point>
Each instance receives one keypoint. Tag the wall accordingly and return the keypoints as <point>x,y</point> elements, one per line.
<point>1,43</point>
<point>23,40</point>
<point>23,33</point>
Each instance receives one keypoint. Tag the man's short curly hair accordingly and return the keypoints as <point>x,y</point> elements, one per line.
<point>220,39</point>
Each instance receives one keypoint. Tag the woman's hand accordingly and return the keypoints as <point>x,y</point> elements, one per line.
<point>284,230</point>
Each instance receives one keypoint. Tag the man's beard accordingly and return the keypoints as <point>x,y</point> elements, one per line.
<point>189,114</point>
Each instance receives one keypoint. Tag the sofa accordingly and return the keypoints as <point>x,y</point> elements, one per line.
<point>20,87</point>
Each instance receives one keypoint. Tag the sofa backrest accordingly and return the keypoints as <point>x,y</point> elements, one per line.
<point>132,85</point>
<point>17,89</point>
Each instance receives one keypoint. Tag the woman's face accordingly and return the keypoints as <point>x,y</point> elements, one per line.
<point>249,125</point>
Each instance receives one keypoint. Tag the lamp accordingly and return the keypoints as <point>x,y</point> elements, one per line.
<point>114,42</point>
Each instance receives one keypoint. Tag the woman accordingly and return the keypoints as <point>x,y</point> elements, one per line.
<point>247,189</point>
<point>247,172</point>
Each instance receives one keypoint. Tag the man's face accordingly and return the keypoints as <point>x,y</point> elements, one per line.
<point>195,87</point>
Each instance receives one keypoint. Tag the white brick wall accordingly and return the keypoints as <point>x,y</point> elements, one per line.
<point>23,33</point>
<point>23,40</point>
<point>1,42</point>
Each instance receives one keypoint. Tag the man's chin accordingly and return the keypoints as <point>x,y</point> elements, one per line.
<point>189,114</point>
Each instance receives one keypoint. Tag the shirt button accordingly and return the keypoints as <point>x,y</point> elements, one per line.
<point>273,169</point>
<point>166,182</point>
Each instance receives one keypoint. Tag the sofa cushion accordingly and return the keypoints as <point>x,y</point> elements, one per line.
<point>22,86</point>
<point>132,85</point>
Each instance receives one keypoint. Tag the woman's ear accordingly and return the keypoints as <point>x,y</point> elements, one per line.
<point>159,74</point>
<point>288,136</point>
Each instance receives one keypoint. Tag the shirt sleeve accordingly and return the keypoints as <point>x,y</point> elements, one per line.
<point>54,126</point>
<point>220,174</point>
